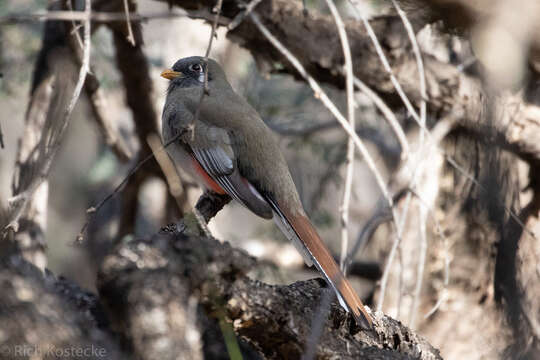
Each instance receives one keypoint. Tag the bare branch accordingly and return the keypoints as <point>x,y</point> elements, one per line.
<point>450,91</point>
<point>388,115</point>
<point>421,263</point>
<point>110,132</point>
<point>261,314</point>
<point>321,95</point>
<point>1,137</point>
<point>385,63</point>
<point>99,17</point>
<point>420,64</point>
<point>97,99</point>
<point>75,29</point>
<point>85,68</point>
<point>418,167</point>
<point>208,48</point>
<point>54,142</point>
<point>471,178</point>
<point>440,234</point>
<point>130,36</point>
<point>93,210</point>
<point>345,203</point>
<point>442,128</point>
<point>171,175</point>
<point>241,16</point>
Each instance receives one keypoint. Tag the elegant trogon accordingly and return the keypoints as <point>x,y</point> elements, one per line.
<point>229,150</point>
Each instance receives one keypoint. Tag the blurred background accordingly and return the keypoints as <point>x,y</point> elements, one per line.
<point>443,283</point>
<point>86,170</point>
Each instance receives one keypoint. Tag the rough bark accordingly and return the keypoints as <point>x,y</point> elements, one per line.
<point>48,318</point>
<point>53,79</point>
<point>145,281</point>
<point>135,73</point>
<point>517,282</point>
<point>52,85</point>
<point>508,121</point>
<point>92,88</point>
<point>160,298</point>
<point>463,15</point>
<point>274,319</point>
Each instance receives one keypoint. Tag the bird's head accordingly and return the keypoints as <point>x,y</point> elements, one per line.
<point>190,72</point>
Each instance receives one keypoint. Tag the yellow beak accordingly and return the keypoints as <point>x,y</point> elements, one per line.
<point>170,74</point>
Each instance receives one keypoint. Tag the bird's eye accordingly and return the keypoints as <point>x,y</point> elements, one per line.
<point>196,67</point>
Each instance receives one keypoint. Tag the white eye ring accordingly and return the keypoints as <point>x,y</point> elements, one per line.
<point>196,67</point>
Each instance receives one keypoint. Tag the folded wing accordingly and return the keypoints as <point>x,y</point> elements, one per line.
<point>212,150</point>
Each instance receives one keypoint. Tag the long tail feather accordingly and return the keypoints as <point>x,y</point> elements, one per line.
<point>303,235</point>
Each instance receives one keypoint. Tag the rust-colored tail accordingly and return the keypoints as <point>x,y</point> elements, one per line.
<point>301,232</point>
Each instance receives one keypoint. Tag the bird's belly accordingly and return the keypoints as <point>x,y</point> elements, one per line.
<point>190,168</point>
<point>205,179</point>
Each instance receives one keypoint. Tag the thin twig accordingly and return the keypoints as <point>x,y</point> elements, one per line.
<point>379,217</point>
<point>205,91</point>
<point>401,283</point>
<point>217,9</point>
<point>419,64</point>
<point>393,251</point>
<point>437,305</point>
<point>418,170</point>
<point>241,16</point>
<point>384,61</point>
<point>96,98</point>
<point>74,26</point>
<point>464,172</point>
<point>93,210</point>
<point>441,129</point>
<point>349,85</point>
<point>422,219</point>
<point>130,37</point>
<point>318,321</point>
<point>388,115</point>
<point>413,112</point>
<point>85,68</point>
<point>55,144</point>
<point>440,234</point>
<point>1,137</point>
<point>94,16</point>
<point>323,97</point>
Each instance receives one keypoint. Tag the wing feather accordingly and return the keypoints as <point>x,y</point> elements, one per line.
<point>215,161</point>
<point>212,149</point>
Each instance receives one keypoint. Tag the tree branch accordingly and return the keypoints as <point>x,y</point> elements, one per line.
<point>273,319</point>
<point>314,42</point>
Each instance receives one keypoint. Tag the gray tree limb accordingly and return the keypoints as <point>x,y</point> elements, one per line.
<point>145,281</point>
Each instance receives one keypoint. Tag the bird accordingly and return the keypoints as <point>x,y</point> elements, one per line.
<point>224,144</point>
